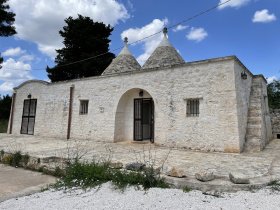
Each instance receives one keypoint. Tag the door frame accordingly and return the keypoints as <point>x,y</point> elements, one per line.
<point>141,118</point>
<point>28,116</point>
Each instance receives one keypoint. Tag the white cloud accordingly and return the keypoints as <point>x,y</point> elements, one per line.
<point>12,73</point>
<point>197,34</point>
<point>179,28</point>
<point>26,58</point>
<point>233,3</point>
<point>271,79</point>
<point>13,52</point>
<point>263,16</point>
<point>149,44</point>
<point>39,21</point>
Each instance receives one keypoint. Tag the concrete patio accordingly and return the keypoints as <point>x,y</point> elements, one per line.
<point>260,167</point>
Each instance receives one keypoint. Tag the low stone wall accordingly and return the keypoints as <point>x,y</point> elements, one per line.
<point>275,121</point>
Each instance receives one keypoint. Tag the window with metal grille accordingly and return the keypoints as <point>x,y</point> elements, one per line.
<point>192,107</point>
<point>83,107</point>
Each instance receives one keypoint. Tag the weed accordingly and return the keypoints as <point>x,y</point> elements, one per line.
<point>41,169</point>
<point>186,189</point>
<point>25,158</point>
<point>17,156</point>
<point>93,174</point>
<point>2,152</point>
<point>274,185</point>
<point>7,159</point>
<point>58,172</point>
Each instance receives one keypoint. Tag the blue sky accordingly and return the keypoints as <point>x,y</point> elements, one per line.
<point>249,29</point>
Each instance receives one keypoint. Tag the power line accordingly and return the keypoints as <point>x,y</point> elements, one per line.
<point>137,41</point>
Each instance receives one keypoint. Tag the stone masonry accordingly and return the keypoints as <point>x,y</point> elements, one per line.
<point>275,119</point>
<point>256,137</point>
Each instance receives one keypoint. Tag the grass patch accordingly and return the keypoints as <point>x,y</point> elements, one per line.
<point>3,126</point>
<point>274,185</point>
<point>186,189</point>
<point>93,174</point>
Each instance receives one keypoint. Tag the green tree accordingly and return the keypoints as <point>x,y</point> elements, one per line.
<point>7,19</point>
<point>273,91</point>
<point>5,106</point>
<point>83,38</point>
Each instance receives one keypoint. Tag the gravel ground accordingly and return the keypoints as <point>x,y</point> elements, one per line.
<point>107,198</point>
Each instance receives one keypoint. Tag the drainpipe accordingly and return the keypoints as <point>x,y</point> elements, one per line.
<point>12,112</point>
<point>70,112</point>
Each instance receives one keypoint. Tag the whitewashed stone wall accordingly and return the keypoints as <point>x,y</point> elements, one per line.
<point>243,90</point>
<point>275,119</point>
<point>266,123</point>
<point>219,127</point>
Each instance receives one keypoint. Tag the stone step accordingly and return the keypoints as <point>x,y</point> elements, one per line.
<point>252,144</point>
<point>254,125</point>
<point>255,105</point>
<point>252,135</point>
<point>254,113</point>
<point>251,131</point>
<point>256,85</point>
<point>254,120</point>
<point>251,148</point>
<point>255,100</point>
<point>256,88</point>
<point>256,93</point>
<point>255,80</point>
<point>253,140</point>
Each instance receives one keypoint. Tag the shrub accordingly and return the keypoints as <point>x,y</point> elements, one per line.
<point>7,159</point>
<point>2,152</point>
<point>274,185</point>
<point>92,174</point>
<point>25,158</point>
<point>15,159</point>
<point>186,189</point>
<point>17,156</point>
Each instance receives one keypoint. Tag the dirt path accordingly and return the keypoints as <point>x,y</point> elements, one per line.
<point>16,182</point>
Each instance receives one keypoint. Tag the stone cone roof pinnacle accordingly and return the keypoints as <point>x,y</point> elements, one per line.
<point>164,55</point>
<point>124,62</point>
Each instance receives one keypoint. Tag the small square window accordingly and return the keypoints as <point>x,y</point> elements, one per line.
<point>192,107</point>
<point>83,107</point>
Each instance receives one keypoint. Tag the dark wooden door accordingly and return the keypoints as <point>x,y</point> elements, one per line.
<point>143,119</point>
<point>28,116</point>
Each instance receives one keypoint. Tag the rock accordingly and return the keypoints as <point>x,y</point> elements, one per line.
<point>174,172</point>
<point>205,176</point>
<point>238,179</point>
<point>135,166</point>
<point>116,165</point>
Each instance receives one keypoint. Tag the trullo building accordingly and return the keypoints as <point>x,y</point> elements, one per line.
<point>211,105</point>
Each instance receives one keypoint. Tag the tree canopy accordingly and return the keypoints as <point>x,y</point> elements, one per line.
<point>7,19</point>
<point>273,91</point>
<point>83,39</point>
<point>5,106</point>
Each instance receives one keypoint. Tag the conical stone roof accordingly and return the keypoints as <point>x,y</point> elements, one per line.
<point>124,62</point>
<point>164,55</point>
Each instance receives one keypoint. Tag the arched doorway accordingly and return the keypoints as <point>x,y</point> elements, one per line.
<point>134,120</point>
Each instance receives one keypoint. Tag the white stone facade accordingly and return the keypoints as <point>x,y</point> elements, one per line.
<point>224,100</point>
<point>275,120</point>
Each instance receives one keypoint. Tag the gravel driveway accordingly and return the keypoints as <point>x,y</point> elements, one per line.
<point>108,198</point>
